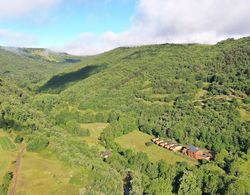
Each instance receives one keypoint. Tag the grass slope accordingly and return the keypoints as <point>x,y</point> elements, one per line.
<point>42,176</point>
<point>95,130</point>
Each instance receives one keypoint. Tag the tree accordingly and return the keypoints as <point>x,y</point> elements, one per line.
<point>113,116</point>
<point>72,127</point>
<point>152,170</point>
<point>18,139</point>
<point>38,143</point>
<point>189,184</point>
<point>159,186</point>
<point>210,183</point>
<point>163,169</point>
<point>238,187</point>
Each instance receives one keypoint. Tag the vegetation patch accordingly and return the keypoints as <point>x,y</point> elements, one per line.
<point>6,159</point>
<point>6,144</point>
<point>6,183</point>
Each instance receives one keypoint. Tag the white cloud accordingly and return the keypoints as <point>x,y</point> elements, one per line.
<point>17,39</point>
<point>183,20</point>
<point>15,8</point>
<point>180,21</point>
<point>89,43</point>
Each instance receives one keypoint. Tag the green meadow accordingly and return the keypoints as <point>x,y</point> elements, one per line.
<point>42,176</point>
<point>95,130</point>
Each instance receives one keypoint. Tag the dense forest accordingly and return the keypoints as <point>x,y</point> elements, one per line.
<point>195,94</point>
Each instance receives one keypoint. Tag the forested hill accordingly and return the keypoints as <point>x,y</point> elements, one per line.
<point>134,79</point>
<point>162,65</point>
<point>29,66</point>
<point>192,93</point>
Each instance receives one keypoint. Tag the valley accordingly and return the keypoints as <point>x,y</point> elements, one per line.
<point>86,121</point>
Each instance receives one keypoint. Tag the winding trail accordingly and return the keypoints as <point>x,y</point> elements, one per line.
<point>16,171</point>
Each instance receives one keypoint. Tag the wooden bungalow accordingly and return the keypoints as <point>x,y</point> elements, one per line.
<point>155,139</point>
<point>176,148</point>
<point>170,145</point>
<point>159,141</point>
<point>162,144</point>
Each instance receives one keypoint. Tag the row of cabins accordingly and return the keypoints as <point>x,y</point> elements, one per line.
<point>189,150</point>
<point>170,145</point>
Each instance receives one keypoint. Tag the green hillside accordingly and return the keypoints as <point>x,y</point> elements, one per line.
<point>43,135</point>
<point>30,66</point>
<point>195,94</point>
<point>187,92</point>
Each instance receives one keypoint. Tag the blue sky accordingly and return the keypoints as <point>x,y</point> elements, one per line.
<point>88,27</point>
<point>62,23</point>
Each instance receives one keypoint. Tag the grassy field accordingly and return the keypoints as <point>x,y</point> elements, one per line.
<point>41,176</point>
<point>136,140</point>
<point>95,131</point>
<point>6,143</point>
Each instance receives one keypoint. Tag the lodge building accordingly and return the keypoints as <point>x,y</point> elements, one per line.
<point>189,150</point>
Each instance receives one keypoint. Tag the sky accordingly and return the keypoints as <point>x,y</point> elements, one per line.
<point>87,27</point>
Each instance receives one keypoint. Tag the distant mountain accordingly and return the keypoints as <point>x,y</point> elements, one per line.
<point>30,66</point>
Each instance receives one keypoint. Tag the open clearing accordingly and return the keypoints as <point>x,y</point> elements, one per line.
<point>95,130</point>
<point>245,115</point>
<point>200,93</point>
<point>136,140</point>
<point>41,176</point>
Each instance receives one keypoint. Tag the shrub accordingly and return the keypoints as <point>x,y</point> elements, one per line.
<point>6,182</point>
<point>18,139</point>
<point>149,143</point>
<point>73,127</point>
<point>38,144</point>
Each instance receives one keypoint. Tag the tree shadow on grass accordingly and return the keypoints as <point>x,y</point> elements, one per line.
<point>59,82</point>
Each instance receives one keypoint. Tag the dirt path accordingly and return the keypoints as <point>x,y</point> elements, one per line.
<point>16,171</point>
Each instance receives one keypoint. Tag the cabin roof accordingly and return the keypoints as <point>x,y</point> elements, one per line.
<point>193,148</point>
